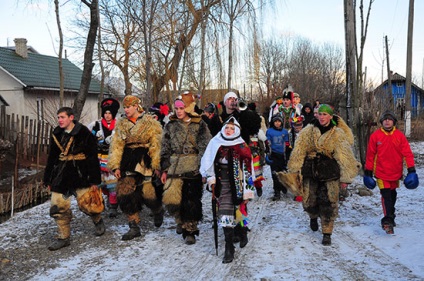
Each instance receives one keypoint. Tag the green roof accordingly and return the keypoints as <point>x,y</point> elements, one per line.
<point>42,71</point>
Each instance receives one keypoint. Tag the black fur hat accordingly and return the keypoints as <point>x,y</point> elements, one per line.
<point>110,104</point>
<point>288,95</point>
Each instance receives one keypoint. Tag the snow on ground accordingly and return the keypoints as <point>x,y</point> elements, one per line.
<point>281,245</point>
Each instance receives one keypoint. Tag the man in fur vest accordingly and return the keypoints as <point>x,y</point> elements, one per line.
<point>184,141</point>
<point>324,143</point>
<point>134,157</point>
<point>72,169</point>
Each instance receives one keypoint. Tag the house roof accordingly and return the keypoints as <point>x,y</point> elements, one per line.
<point>41,71</point>
<point>396,77</point>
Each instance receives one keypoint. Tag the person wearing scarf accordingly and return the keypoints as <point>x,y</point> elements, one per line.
<point>227,165</point>
<point>103,129</point>
<point>325,138</point>
<point>184,141</point>
<point>134,157</point>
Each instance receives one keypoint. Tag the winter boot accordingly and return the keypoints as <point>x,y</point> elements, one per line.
<point>158,218</point>
<point>59,243</point>
<point>133,232</point>
<point>229,247</point>
<point>190,239</point>
<point>277,195</point>
<point>113,211</point>
<point>179,228</point>
<point>259,191</point>
<point>237,233</point>
<point>243,237</point>
<point>314,224</point>
<point>388,227</point>
<point>100,228</point>
<point>326,239</point>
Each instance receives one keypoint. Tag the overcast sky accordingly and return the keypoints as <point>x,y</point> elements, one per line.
<point>320,21</point>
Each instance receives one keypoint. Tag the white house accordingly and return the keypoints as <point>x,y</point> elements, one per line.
<point>29,84</point>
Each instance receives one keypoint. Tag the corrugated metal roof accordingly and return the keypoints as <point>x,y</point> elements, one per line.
<point>42,71</point>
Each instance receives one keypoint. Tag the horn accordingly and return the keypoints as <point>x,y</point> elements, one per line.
<point>242,104</point>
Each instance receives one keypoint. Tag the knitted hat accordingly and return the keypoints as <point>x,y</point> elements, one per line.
<point>388,115</point>
<point>277,117</point>
<point>230,95</point>
<point>326,108</point>
<point>111,105</point>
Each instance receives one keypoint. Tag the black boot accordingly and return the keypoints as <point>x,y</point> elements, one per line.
<point>237,233</point>
<point>100,228</point>
<point>113,211</point>
<point>133,232</point>
<point>158,218</point>
<point>326,239</point>
<point>229,247</point>
<point>59,243</point>
<point>243,237</point>
<point>314,224</point>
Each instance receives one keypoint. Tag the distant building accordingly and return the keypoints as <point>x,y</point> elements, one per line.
<point>399,93</point>
<point>29,84</point>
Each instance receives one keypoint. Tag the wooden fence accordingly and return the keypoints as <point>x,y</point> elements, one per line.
<point>30,135</point>
<point>29,194</point>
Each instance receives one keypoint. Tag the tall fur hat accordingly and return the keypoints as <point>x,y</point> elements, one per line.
<point>388,115</point>
<point>287,94</point>
<point>111,105</point>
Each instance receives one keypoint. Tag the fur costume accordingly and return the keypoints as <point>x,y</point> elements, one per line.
<point>146,132</point>
<point>335,143</point>
<point>135,150</point>
<point>320,198</point>
<point>67,176</point>
<point>183,188</point>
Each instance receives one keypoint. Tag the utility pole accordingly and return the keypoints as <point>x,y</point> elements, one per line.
<point>389,75</point>
<point>409,70</point>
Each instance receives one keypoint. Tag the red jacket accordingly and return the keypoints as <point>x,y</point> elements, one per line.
<point>386,153</point>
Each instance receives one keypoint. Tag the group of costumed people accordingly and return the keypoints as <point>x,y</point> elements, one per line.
<point>161,161</point>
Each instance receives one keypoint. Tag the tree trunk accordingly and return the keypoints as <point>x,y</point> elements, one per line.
<point>61,77</point>
<point>88,58</point>
<point>183,42</point>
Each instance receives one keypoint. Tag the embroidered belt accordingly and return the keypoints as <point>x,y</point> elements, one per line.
<point>70,157</point>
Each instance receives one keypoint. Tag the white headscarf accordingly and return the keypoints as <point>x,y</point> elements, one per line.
<point>206,164</point>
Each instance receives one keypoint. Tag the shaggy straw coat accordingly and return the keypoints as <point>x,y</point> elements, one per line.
<point>335,143</point>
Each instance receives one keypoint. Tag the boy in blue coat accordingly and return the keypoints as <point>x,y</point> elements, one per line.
<point>278,139</point>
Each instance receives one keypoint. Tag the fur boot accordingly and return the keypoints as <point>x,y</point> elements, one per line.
<point>229,247</point>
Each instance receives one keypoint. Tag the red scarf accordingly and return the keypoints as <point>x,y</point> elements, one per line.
<point>109,126</point>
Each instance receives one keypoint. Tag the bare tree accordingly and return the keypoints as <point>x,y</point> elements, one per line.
<point>354,73</point>
<point>61,77</point>
<point>88,58</point>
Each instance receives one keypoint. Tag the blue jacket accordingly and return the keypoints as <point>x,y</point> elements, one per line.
<point>277,139</point>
